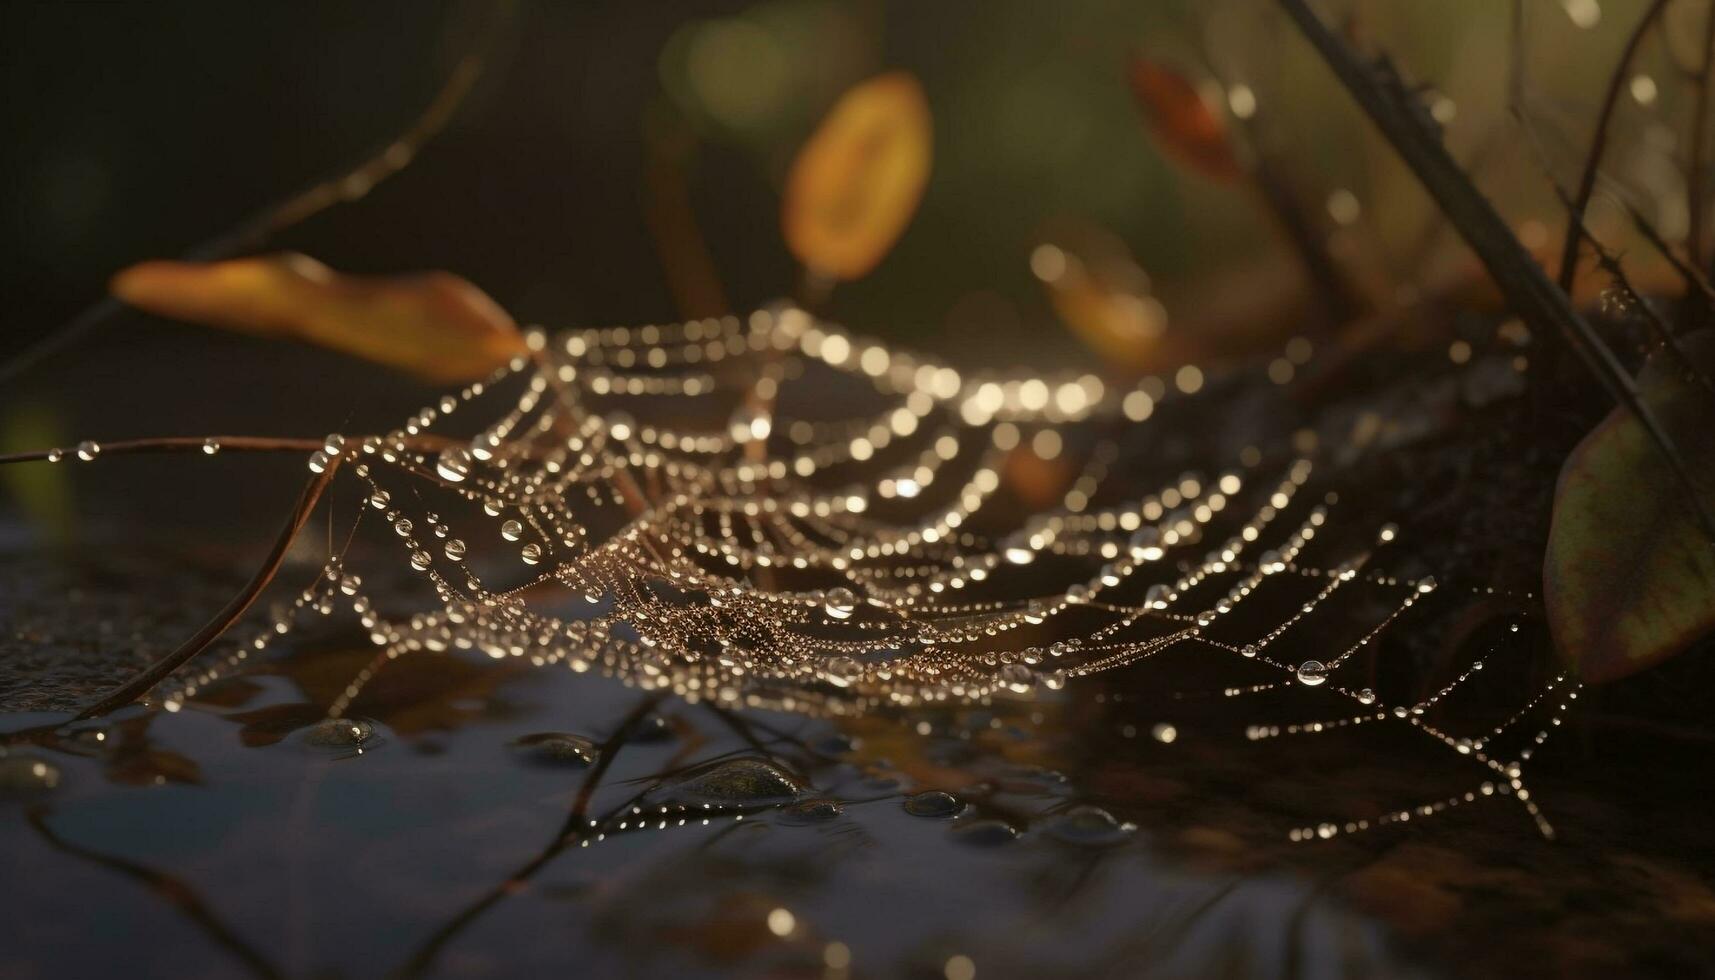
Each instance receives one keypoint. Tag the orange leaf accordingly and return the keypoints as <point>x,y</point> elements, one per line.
<point>1106,304</point>
<point>856,184</point>
<point>433,324</point>
<point>1183,123</point>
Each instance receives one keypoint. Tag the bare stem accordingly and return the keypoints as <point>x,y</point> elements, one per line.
<point>1384,98</point>
<point>1599,145</point>
<point>140,685</point>
<point>349,185</point>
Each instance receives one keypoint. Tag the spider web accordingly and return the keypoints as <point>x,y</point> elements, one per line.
<point>682,508</point>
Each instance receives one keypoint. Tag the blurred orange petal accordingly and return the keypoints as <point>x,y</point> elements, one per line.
<point>432,324</point>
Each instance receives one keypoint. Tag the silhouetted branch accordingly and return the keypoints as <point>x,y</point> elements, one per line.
<point>176,892</point>
<point>1598,145</point>
<point>140,685</point>
<point>1379,91</point>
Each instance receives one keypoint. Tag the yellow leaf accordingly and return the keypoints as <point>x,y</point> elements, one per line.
<point>856,184</point>
<point>433,324</point>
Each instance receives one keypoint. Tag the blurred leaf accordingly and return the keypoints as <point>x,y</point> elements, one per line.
<point>1629,577</point>
<point>432,324</point>
<point>1039,483</point>
<point>42,493</point>
<point>857,182</point>
<point>1184,125</point>
<point>1103,296</point>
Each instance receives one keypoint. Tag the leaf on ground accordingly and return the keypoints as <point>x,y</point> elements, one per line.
<point>1185,126</point>
<point>432,324</point>
<point>856,183</point>
<point>1629,576</point>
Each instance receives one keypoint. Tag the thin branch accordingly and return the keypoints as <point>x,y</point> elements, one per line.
<point>1610,262</point>
<point>180,895</point>
<point>573,830</point>
<point>140,685</point>
<point>350,185</point>
<point>1694,278</point>
<point>1664,334</point>
<point>1383,97</point>
<point>1599,144</point>
<point>177,444</point>
<point>1694,177</point>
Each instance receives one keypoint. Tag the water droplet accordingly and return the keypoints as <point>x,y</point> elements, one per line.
<point>1089,825</point>
<point>455,549</point>
<point>1366,696</point>
<point>843,671</point>
<point>1312,672</point>
<point>1164,733</point>
<point>934,803</point>
<point>55,455</point>
<point>742,781</point>
<point>512,530</point>
<point>340,733</point>
<point>88,450</point>
<point>557,749</point>
<point>531,553</point>
<point>24,775</point>
<point>453,464</point>
<point>1250,650</point>
<point>814,811</point>
<point>841,602</point>
<point>380,499</point>
<point>1018,678</point>
<point>421,560</point>
<point>210,447</point>
<point>651,730</point>
<point>334,444</point>
<point>319,461</point>
<point>985,833</point>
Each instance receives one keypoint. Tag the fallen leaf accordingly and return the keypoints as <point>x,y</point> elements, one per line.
<point>856,183</point>
<point>1629,576</point>
<point>432,324</point>
<point>1185,126</point>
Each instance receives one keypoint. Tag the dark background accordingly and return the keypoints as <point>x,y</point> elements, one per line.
<point>139,131</point>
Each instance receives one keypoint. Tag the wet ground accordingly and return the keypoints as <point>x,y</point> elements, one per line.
<point>478,817</point>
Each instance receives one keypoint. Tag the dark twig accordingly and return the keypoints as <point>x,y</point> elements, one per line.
<point>175,891</point>
<point>350,185</point>
<point>139,685</point>
<point>1598,145</point>
<point>1694,278</point>
<point>1384,98</point>
<point>177,444</point>
<point>1694,176</point>
<point>1610,261</point>
<point>572,831</point>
